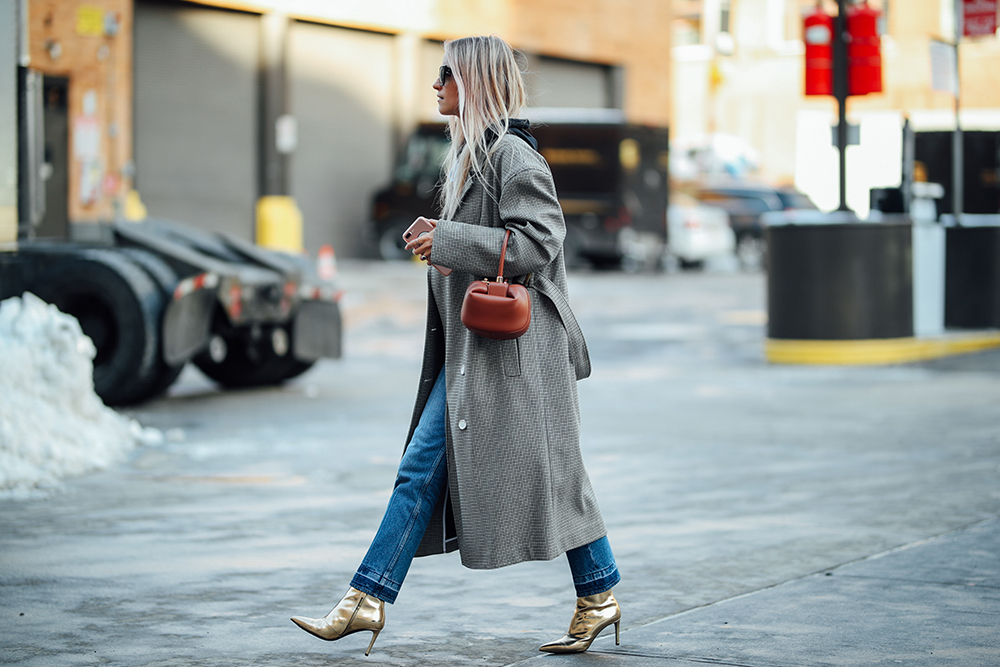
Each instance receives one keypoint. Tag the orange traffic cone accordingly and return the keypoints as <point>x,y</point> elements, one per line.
<point>326,263</point>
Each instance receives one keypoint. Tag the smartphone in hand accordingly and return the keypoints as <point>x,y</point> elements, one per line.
<point>422,226</point>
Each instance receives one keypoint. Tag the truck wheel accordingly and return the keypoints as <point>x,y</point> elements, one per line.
<point>691,264</point>
<point>166,279</point>
<point>166,376</point>
<point>252,363</point>
<point>390,242</point>
<point>161,272</point>
<point>119,307</point>
<point>751,251</point>
<point>294,368</point>
<point>285,368</point>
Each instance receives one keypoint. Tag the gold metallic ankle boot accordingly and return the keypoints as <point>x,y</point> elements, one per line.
<point>356,612</point>
<point>593,614</point>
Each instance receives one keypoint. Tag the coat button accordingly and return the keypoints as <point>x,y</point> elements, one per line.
<point>462,424</point>
<point>462,369</point>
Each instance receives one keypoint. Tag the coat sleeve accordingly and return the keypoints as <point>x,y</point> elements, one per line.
<point>528,206</point>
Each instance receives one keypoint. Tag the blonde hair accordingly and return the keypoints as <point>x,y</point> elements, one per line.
<point>490,93</point>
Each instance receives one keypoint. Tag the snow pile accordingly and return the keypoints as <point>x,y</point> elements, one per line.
<point>52,424</point>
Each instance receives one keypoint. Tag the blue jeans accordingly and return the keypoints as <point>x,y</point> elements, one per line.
<point>422,476</point>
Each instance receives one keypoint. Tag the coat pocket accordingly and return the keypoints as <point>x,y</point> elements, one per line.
<point>510,351</point>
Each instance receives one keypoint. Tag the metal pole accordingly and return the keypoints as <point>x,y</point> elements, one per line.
<point>278,221</point>
<point>10,54</point>
<point>30,134</point>
<point>840,92</point>
<point>957,153</point>
<point>909,149</point>
<point>274,165</point>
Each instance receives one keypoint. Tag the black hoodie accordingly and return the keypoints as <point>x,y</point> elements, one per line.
<point>519,127</point>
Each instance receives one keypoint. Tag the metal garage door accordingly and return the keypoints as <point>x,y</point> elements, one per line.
<point>341,84</point>
<point>196,114</point>
<point>553,82</point>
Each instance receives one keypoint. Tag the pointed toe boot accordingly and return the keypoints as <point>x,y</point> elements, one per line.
<point>356,612</point>
<point>593,614</point>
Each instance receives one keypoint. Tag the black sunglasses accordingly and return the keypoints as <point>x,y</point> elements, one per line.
<point>443,73</point>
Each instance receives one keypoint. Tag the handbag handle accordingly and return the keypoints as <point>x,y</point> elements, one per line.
<point>503,253</point>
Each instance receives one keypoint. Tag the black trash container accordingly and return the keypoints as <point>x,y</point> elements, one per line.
<point>841,281</point>
<point>972,278</point>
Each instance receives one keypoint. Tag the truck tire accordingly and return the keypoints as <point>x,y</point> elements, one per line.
<point>166,279</point>
<point>751,251</point>
<point>162,274</point>
<point>119,307</point>
<point>285,368</point>
<point>294,368</point>
<point>250,364</point>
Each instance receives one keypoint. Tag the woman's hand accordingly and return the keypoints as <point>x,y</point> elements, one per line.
<point>423,244</point>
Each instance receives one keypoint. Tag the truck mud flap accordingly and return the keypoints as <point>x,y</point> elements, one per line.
<point>187,325</point>
<point>316,331</point>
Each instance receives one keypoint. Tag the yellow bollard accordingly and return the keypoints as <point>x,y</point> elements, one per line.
<point>279,223</point>
<point>135,210</point>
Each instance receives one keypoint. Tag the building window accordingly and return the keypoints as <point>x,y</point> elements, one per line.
<point>687,28</point>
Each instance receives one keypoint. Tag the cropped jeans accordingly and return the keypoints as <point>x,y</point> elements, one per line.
<point>422,476</point>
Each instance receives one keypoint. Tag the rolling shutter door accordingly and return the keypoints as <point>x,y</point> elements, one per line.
<point>341,84</point>
<point>196,114</point>
<point>553,82</point>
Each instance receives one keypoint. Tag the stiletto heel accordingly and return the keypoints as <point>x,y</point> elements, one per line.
<point>357,611</point>
<point>372,642</point>
<point>593,614</point>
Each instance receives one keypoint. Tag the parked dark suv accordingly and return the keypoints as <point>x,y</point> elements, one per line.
<point>611,178</point>
<point>746,202</point>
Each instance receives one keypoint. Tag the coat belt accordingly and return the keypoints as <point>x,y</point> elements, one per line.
<point>578,352</point>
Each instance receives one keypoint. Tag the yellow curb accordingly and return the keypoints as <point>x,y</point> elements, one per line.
<point>875,351</point>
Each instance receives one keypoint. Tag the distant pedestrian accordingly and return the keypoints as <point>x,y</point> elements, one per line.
<point>492,465</point>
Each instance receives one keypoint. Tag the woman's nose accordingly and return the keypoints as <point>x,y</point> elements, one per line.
<point>437,84</point>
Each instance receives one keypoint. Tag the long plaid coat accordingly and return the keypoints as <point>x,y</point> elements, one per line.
<point>517,487</point>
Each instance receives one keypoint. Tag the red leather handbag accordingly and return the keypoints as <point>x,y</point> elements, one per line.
<point>497,310</point>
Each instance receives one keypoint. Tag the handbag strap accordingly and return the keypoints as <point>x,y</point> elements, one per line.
<point>503,253</point>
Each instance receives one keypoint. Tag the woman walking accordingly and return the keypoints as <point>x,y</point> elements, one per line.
<point>492,465</point>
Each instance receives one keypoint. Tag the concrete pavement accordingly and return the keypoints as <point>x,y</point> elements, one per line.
<point>935,602</point>
<point>730,487</point>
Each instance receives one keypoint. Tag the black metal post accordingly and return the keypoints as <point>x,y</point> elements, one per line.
<point>957,153</point>
<point>909,150</point>
<point>31,152</point>
<point>840,92</point>
<point>273,103</point>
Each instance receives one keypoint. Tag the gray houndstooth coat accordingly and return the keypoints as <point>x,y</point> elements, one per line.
<point>517,488</point>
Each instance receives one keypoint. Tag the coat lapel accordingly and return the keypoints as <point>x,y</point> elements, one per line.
<point>465,188</point>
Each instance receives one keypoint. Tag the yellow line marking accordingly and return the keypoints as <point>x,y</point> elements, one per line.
<point>876,351</point>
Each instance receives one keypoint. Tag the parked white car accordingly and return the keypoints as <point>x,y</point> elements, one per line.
<point>696,232</point>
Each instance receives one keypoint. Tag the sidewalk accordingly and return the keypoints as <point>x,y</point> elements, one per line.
<point>934,603</point>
